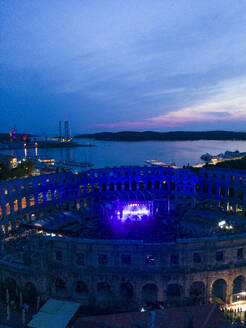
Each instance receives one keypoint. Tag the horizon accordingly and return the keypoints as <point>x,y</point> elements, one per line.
<point>114,66</point>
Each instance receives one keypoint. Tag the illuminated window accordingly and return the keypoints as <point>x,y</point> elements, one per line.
<point>7,208</point>
<point>102,259</point>
<point>149,259</point>
<point>81,189</point>
<point>241,179</point>
<point>3,228</point>
<point>32,200</point>
<point>164,185</point>
<point>6,191</point>
<point>15,205</point>
<point>1,212</point>
<point>47,181</point>
<point>126,259</point>
<point>39,183</point>
<point>18,222</point>
<point>233,178</point>
<point>40,198</point>
<point>80,259</point>
<point>10,226</point>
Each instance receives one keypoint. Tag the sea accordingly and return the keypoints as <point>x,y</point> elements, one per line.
<point>113,153</point>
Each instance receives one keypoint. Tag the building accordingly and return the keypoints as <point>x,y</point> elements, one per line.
<point>127,273</point>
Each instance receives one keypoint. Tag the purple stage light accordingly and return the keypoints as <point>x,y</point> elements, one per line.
<point>133,211</point>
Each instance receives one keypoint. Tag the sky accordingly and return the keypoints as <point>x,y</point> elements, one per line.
<point>109,65</point>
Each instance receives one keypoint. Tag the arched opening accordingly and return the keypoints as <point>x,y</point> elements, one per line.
<point>219,289</point>
<point>104,294</point>
<point>141,185</point>
<point>222,191</point>
<point>214,189</point>
<point>173,294</point>
<point>239,289</point>
<point>60,286</point>
<point>104,186</point>
<point>240,194</point>
<point>164,185</point>
<point>82,292</point>
<point>119,186</point>
<point>30,294</point>
<point>126,291</point>
<point>231,192</point>
<point>11,286</point>
<point>111,186</point>
<point>127,186</point>
<point>149,294</point>
<point>197,290</point>
<point>134,185</point>
<point>96,187</point>
<point>149,185</point>
<point>157,185</point>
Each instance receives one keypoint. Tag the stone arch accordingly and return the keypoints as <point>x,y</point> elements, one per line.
<point>149,293</point>
<point>197,289</point>
<point>119,186</point>
<point>126,185</point>
<point>239,285</point>
<point>104,294</point>
<point>174,292</point>
<point>157,185</point>
<point>149,185</point>
<point>141,185</point>
<point>126,291</point>
<point>219,288</point>
<point>134,185</point>
<point>60,285</point>
<point>30,293</point>
<point>104,186</point>
<point>111,186</point>
<point>11,285</point>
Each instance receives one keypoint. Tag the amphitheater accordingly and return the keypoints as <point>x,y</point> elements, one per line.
<point>123,272</point>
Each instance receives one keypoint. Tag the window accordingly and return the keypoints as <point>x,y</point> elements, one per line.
<point>214,175</point>
<point>102,259</point>
<point>47,181</point>
<point>59,256</point>
<point>197,258</point>
<point>49,195</point>
<point>1,212</point>
<point>80,259</point>
<point>22,187</point>
<point>14,189</point>
<point>149,259</point>
<point>5,191</point>
<point>32,201</point>
<point>126,259</point>
<point>15,205</point>
<point>174,259</point>
<point>39,183</point>
<point>241,179</point>
<point>88,188</point>
<point>7,208</point>
<point>30,184</point>
<point>240,253</point>
<point>40,198</point>
<point>233,178</point>
<point>219,256</point>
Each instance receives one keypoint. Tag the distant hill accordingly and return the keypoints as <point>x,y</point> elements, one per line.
<point>164,136</point>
